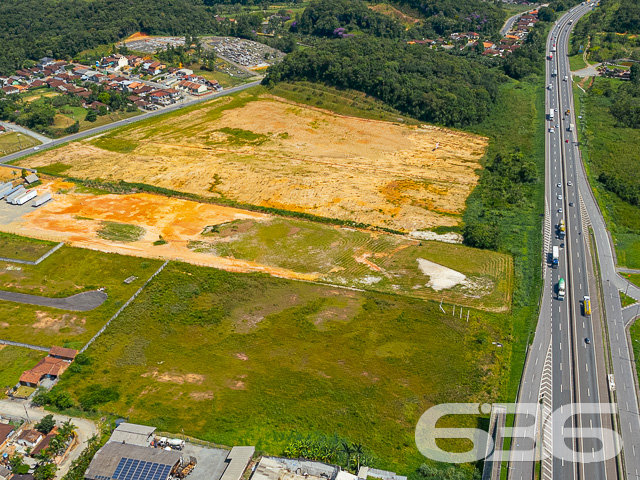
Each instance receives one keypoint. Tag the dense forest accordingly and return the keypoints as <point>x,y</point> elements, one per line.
<point>432,86</point>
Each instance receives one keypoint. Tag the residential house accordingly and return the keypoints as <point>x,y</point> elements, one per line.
<point>44,443</point>
<point>66,354</point>
<point>160,97</point>
<point>191,87</point>
<point>29,438</point>
<point>96,105</point>
<point>6,431</point>
<point>134,60</point>
<point>47,368</point>
<point>10,90</point>
<point>153,68</point>
<point>116,62</point>
<point>5,473</point>
<point>37,83</point>
<point>46,61</point>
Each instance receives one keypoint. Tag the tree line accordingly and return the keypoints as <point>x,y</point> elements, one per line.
<point>425,84</point>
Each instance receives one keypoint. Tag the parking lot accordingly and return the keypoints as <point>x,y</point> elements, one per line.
<point>10,213</point>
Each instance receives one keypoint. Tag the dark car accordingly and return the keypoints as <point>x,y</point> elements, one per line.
<point>571,204</point>
<point>587,340</point>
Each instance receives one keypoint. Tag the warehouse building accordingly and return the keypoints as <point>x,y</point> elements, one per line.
<point>133,434</point>
<point>118,461</point>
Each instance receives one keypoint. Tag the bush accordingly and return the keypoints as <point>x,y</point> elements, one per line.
<point>96,395</point>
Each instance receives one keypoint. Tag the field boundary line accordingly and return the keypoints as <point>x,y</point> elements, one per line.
<point>24,345</point>
<point>115,315</point>
<point>31,262</point>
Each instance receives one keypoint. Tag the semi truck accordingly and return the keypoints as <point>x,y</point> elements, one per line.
<point>561,229</point>
<point>555,258</point>
<point>22,199</point>
<point>561,288</point>
<point>571,127</point>
<point>552,113</point>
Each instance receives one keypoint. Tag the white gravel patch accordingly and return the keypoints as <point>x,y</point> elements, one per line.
<point>450,237</point>
<point>440,277</point>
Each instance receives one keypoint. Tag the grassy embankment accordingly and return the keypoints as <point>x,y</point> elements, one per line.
<point>609,149</point>
<point>14,361</point>
<point>22,248</point>
<point>310,360</point>
<point>10,142</point>
<point>67,272</point>
<point>517,122</point>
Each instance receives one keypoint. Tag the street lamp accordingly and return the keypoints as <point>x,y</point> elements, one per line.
<point>19,141</point>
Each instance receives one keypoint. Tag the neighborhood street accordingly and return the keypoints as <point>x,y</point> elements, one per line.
<point>85,429</point>
<point>104,128</point>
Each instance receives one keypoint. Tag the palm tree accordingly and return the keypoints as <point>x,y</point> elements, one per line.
<point>347,450</point>
<point>67,430</point>
<point>358,451</point>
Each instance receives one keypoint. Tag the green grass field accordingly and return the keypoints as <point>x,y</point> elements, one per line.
<point>517,122</point>
<point>610,149</point>
<point>250,359</point>
<point>67,272</point>
<point>22,248</point>
<point>344,102</point>
<point>361,259</point>
<point>120,232</point>
<point>10,142</point>
<point>626,300</point>
<point>13,361</point>
<point>576,62</point>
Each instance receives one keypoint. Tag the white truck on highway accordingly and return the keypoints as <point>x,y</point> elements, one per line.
<point>555,256</point>
<point>552,113</point>
<point>561,289</point>
<point>571,127</point>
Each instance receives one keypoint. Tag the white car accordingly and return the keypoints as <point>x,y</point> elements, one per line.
<point>559,185</point>
<point>551,130</point>
<point>569,183</point>
<point>560,210</point>
<point>559,197</point>
<point>36,148</point>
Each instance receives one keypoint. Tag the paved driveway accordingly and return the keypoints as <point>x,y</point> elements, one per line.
<point>82,302</point>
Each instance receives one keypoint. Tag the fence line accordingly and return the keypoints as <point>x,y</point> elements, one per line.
<point>133,297</point>
<point>30,262</point>
<point>24,345</point>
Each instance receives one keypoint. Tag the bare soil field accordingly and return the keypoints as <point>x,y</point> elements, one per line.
<point>153,226</point>
<point>264,150</point>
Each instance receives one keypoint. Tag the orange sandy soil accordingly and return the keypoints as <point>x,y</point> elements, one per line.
<point>75,218</point>
<point>309,160</point>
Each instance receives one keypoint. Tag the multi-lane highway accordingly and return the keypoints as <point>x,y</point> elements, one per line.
<point>566,360</point>
<point>103,128</point>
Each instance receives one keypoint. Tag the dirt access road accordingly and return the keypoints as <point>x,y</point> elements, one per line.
<point>85,429</point>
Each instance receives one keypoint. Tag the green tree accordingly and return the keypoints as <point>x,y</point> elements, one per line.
<point>46,424</point>
<point>92,116</point>
<point>635,73</point>
<point>45,471</point>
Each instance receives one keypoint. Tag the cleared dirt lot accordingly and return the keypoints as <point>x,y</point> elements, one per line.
<point>241,241</point>
<point>263,150</point>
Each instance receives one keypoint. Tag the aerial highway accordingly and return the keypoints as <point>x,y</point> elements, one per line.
<point>566,362</point>
<point>94,131</point>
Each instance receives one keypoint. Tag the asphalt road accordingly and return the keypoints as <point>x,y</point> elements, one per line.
<point>82,302</point>
<point>94,131</point>
<point>559,350</point>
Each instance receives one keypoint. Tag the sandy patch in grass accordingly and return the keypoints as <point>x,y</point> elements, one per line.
<point>44,321</point>
<point>199,396</point>
<point>192,378</point>
<point>295,158</point>
<point>440,277</point>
